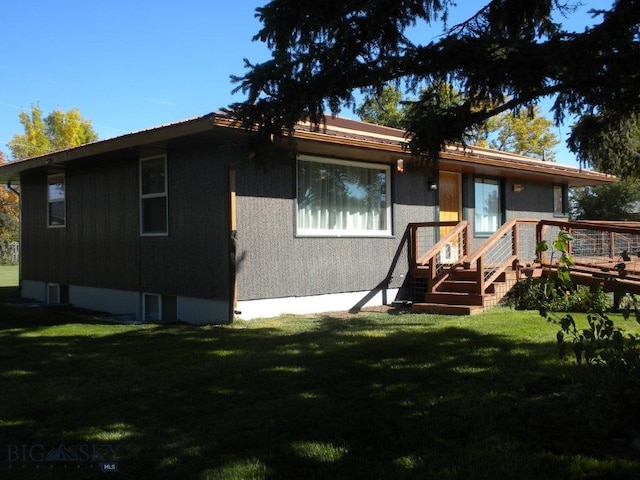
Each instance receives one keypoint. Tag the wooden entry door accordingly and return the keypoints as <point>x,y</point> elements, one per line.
<point>450,207</point>
<point>450,196</point>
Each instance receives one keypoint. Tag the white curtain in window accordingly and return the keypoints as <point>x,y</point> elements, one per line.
<point>341,197</point>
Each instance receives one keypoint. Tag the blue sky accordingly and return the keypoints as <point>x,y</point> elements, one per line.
<point>128,65</point>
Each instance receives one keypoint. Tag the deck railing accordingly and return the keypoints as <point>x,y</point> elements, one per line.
<point>595,244</point>
<point>597,248</point>
<point>509,246</point>
<point>438,246</point>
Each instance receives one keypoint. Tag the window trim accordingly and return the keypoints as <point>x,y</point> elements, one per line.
<point>501,207</point>
<point>50,177</point>
<point>330,233</point>
<point>145,196</point>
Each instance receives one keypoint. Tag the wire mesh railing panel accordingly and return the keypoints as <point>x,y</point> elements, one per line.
<point>628,243</point>
<point>526,245</point>
<point>596,246</point>
<point>550,233</point>
<point>425,238</point>
<point>498,254</point>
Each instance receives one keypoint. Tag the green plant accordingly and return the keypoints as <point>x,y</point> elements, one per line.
<point>560,246</point>
<point>536,293</point>
<point>614,359</point>
<point>579,298</point>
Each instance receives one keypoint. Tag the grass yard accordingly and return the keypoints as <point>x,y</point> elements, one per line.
<point>8,280</point>
<point>372,396</point>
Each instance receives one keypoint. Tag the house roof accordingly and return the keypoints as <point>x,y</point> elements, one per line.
<point>337,137</point>
<point>457,158</point>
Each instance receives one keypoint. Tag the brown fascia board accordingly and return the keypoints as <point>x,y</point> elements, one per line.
<point>470,159</point>
<point>10,172</point>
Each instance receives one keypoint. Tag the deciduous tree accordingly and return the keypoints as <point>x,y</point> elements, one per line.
<point>9,229</point>
<point>616,201</point>
<point>525,132</point>
<point>56,131</point>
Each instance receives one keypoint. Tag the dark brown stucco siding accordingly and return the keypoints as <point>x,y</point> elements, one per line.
<point>275,263</point>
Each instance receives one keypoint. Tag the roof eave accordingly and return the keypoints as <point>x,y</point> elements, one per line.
<point>10,172</point>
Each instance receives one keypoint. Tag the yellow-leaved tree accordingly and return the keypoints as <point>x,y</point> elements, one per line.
<point>525,132</point>
<point>8,222</point>
<point>42,134</point>
<point>56,131</point>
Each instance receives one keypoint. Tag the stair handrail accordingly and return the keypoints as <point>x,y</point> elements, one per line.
<point>435,249</point>
<point>429,258</point>
<point>478,257</point>
<point>413,228</point>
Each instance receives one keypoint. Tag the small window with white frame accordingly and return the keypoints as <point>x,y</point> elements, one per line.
<point>153,195</point>
<point>342,198</point>
<point>56,207</point>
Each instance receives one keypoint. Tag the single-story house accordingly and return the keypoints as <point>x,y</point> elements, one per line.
<point>182,223</point>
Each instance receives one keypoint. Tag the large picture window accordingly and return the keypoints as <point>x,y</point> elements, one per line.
<point>153,195</point>
<point>56,208</point>
<point>340,198</point>
<point>488,206</point>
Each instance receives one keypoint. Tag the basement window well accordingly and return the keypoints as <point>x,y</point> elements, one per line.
<point>151,307</point>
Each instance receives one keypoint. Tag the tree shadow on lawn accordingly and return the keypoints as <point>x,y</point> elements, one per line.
<point>338,399</point>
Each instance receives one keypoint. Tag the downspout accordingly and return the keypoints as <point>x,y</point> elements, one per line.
<point>10,187</point>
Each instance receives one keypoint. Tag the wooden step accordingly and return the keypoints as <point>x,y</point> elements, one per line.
<point>463,275</point>
<point>454,298</point>
<point>441,309</point>
<point>461,286</point>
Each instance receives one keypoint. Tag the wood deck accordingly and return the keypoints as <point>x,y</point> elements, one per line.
<point>477,281</point>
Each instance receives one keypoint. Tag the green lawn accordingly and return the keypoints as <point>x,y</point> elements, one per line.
<point>367,396</point>
<point>8,275</point>
<point>8,280</point>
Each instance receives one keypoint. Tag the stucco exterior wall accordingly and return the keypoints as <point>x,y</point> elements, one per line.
<point>273,262</point>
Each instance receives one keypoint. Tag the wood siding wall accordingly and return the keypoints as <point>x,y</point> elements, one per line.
<point>101,245</point>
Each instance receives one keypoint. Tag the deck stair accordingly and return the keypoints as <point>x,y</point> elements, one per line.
<point>476,281</point>
<point>457,293</point>
<point>449,278</point>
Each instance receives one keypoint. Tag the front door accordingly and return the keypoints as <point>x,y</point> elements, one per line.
<point>450,196</point>
<point>450,206</point>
